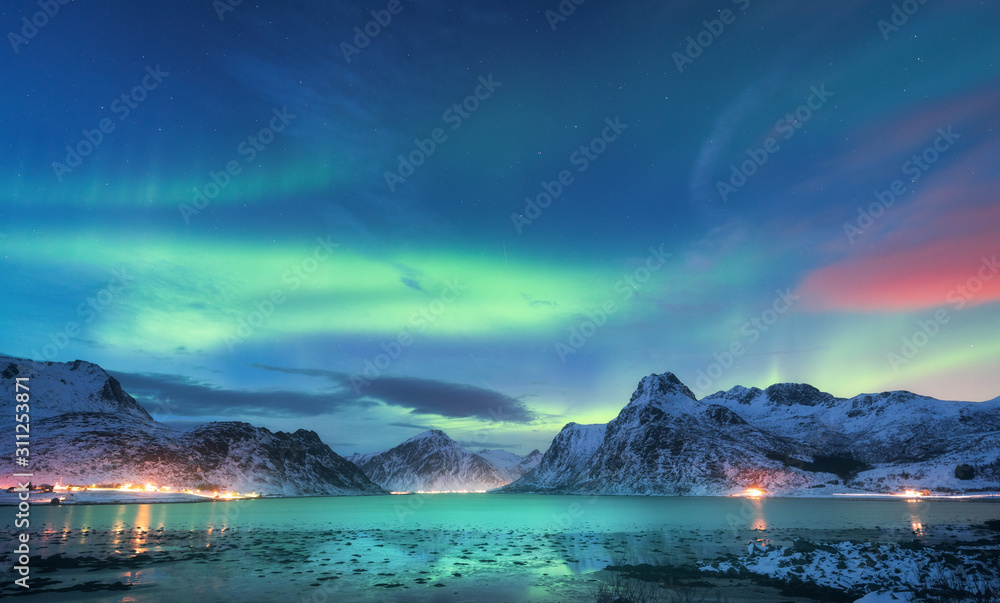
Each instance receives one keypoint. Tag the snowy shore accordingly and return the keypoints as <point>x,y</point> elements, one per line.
<point>873,571</point>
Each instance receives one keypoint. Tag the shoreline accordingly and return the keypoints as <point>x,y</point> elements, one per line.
<point>10,499</point>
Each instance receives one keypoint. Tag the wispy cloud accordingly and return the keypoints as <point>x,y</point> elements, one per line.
<point>919,265</point>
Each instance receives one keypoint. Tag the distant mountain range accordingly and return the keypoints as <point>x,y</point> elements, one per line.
<point>787,439</point>
<point>84,429</point>
<point>433,462</point>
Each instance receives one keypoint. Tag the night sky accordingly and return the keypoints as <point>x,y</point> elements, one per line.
<point>495,218</point>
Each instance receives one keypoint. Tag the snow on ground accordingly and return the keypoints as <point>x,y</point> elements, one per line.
<point>886,597</point>
<point>869,567</point>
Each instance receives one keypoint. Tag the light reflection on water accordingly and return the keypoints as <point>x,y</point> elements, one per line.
<point>539,514</point>
<point>129,526</point>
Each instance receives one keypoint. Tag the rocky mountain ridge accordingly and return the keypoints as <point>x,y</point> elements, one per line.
<point>85,429</point>
<point>788,438</point>
<point>433,462</point>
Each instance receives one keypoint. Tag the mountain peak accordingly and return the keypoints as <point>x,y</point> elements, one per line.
<point>77,386</point>
<point>655,386</point>
<point>114,440</point>
<point>738,394</point>
<point>803,394</point>
<point>433,462</point>
<point>432,435</point>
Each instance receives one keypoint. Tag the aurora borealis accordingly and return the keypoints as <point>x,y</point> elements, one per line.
<point>374,219</point>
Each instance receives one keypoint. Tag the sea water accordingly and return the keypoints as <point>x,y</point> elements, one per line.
<point>442,547</point>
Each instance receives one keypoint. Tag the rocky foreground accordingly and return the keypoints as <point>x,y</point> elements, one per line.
<point>962,565</point>
<point>858,568</point>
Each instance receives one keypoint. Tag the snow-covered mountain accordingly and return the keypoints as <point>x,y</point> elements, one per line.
<point>433,462</point>
<point>905,438</point>
<point>565,462</point>
<point>890,426</point>
<point>84,429</point>
<point>789,438</point>
<point>72,387</point>
<point>512,465</point>
<point>529,462</point>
